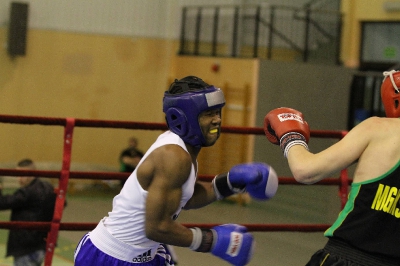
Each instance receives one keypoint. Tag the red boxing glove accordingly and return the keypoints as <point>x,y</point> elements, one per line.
<point>286,127</point>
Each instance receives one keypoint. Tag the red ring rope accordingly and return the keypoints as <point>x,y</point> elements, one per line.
<point>65,174</point>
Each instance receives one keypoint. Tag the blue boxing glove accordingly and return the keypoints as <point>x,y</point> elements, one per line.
<point>230,242</point>
<point>258,179</point>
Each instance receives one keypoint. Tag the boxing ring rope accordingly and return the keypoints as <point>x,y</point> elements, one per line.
<point>65,174</point>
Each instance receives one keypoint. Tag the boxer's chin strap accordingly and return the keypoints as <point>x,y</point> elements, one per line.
<point>390,74</point>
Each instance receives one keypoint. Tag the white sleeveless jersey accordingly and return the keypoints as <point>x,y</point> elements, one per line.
<point>126,221</point>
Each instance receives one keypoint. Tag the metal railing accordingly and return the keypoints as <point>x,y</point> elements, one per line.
<point>271,32</point>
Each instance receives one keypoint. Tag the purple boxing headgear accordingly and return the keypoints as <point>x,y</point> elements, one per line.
<point>183,103</point>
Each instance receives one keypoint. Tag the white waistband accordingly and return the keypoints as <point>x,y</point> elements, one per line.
<point>107,243</point>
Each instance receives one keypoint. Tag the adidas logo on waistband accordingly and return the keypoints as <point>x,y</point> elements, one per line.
<point>144,257</point>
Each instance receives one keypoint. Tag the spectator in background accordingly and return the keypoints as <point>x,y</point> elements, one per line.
<point>130,157</point>
<point>34,202</point>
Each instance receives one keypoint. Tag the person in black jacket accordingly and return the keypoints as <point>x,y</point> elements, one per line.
<point>33,201</point>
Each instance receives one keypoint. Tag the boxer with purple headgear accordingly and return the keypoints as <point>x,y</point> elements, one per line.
<point>144,215</point>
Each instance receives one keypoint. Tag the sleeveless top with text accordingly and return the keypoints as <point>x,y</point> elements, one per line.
<point>370,219</point>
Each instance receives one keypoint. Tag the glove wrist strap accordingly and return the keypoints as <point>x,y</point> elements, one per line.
<point>223,187</point>
<point>202,239</point>
<point>290,139</point>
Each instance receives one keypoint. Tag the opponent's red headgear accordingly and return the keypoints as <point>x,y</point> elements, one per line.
<point>390,93</point>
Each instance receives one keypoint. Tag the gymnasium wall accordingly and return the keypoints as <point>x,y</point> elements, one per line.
<point>103,77</point>
<point>320,92</point>
<point>354,12</point>
<point>82,76</point>
<point>75,67</point>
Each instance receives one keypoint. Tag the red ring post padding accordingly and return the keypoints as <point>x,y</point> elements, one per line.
<point>61,192</point>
